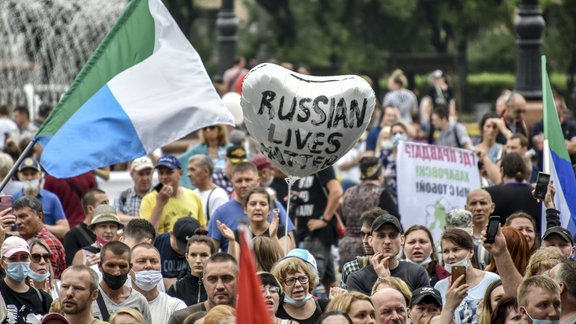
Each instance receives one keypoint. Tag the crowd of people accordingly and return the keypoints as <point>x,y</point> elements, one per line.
<point>168,252</point>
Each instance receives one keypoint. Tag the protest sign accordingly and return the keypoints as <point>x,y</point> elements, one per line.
<point>433,180</point>
<point>304,123</point>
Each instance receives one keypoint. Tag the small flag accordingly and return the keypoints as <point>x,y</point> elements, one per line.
<point>251,307</point>
<point>145,86</point>
<point>557,161</point>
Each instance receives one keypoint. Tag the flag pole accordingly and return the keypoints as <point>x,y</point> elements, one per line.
<point>21,158</point>
<point>546,156</point>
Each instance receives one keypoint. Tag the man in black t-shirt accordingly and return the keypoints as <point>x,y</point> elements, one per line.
<point>24,304</point>
<point>317,200</point>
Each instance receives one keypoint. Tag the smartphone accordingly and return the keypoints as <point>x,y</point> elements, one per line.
<point>541,185</point>
<point>457,272</point>
<point>492,228</point>
<point>159,186</point>
<point>5,202</point>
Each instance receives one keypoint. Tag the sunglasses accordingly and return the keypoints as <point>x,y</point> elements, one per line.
<point>37,256</point>
<point>210,127</point>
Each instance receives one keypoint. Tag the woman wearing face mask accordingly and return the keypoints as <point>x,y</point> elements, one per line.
<point>22,301</point>
<point>105,224</point>
<point>272,292</point>
<point>298,279</point>
<point>40,274</point>
<point>190,288</point>
<point>419,248</point>
<point>398,133</point>
<point>458,250</point>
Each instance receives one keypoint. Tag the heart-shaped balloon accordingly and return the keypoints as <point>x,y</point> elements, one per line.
<point>304,123</point>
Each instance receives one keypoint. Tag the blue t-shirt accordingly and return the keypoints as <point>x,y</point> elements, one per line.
<point>172,262</point>
<point>373,138</point>
<point>231,213</point>
<point>51,206</point>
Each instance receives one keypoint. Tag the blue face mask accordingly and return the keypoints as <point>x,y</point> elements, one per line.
<point>288,300</point>
<point>397,138</point>
<point>38,277</point>
<point>18,271</point>
<point>536,321</point>
<point>148,279</point>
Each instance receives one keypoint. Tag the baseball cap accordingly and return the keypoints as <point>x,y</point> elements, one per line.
<point>183,229</point>
<point>14,244</point>
<point>236,154</point>
<point>427,294</point>
<point>29,163</point>
<point>54,317</point>
<point>262,162</point>
<point>169,161</point>
<point>303,255</point>
<point>105,213</point>
<point>384,219</point>
<point>459,218</point>
<point>142,163</point>
<point>559,230</point>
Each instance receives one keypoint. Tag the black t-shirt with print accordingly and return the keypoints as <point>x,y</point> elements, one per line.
<point>23,307</point>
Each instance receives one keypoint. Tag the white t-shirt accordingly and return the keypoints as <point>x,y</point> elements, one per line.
<point>218,197</point>
<point>163,306</point>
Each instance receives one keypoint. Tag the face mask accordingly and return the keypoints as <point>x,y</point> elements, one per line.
<point>423,263</point>
<point>18,271</point>
<point>297,303</point>
<point>148,279</point>
<point>31,185</point>
<point>100,240</point>
<point>535,321</point>
<point>114,282</point>
<point>463,262</point>
<point>38,277</point>
<point>397,138</point>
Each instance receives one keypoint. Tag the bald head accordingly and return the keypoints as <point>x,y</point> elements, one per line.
<point>479,203</point>
<point>390,306</point>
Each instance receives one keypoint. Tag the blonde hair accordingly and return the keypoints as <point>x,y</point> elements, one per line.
<point>128,311</point>
<point>535,282</point>
<point>292,265</point>
<point>545,258</point>
<point>342,303</point>
<point>219,314</point>
<point>399,78</point>
<point>267,252</point>
<point>394,283</point>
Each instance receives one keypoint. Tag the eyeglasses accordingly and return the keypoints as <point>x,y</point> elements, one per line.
<point>270,290</point>
<point>37,256</point>
<point>292,281</point>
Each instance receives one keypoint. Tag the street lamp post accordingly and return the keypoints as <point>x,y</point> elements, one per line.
<point>227,25</point>
<point>529,25</point>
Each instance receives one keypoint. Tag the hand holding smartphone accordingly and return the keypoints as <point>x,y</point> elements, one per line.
<point>492,229</point>
<point>457,272</point>
<point>541,185</point>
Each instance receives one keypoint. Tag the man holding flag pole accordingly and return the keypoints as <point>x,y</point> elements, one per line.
<point>143,87</point>
<point>556,159</point>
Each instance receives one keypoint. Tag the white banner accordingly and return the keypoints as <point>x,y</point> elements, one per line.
<point>433,180</point>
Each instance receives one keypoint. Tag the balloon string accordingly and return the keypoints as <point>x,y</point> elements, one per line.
<point>290,180</point>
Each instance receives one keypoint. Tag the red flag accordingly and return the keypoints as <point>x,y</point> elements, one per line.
<point>251,308</point>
